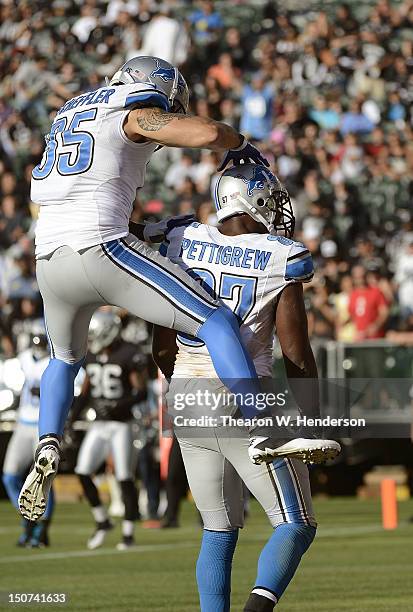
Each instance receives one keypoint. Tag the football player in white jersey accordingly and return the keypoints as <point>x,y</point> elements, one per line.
<point>19,455</point>
<point>95,160</point>
<point>252,264</point>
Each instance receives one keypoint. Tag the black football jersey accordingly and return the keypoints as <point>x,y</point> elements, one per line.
<point>110,392</point>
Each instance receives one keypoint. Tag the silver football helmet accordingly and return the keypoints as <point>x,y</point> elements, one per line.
<point>104,328</point>
<point>159,75</point>
<point>254,190</point>
<point>38,337</point>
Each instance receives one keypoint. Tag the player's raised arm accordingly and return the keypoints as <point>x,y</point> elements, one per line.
<point>178,130</point>
<point>158,99</point>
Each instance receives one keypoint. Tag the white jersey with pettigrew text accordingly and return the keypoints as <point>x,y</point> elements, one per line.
<point>247,273</point>
<point>90,172</point>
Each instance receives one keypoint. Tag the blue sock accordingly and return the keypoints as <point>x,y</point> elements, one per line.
<point>232,363</point>
<point>213,570</point>
<point>56,395</point>
<point>13,484</point>
<point>281,556</point>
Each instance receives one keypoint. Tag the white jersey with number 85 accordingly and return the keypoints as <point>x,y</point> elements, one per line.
<point>90,171</point>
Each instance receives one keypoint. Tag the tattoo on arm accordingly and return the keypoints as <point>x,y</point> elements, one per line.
<point>154,119</point>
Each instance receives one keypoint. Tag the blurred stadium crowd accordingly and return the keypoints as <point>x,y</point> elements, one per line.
<point>325,91</point>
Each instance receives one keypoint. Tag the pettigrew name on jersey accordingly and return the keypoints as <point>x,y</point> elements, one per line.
<point>247,272</point>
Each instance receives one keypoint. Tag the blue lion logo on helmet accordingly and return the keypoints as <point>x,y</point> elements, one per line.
<point>168,74</point>
<point>259,179</point>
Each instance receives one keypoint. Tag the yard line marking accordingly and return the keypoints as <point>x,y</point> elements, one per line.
<point>101,552</point>
<point>61,528</point>
<point>56,529</point>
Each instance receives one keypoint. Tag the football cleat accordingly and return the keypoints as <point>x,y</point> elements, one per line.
<point>261,603</point>
<point>35,491</point>
<point>127,543</point>
<point>99,534</point>
<point>264,449</point>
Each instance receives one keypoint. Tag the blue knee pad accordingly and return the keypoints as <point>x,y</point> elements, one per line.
<point>13,483</point>
<point>281,556</point>
<point>232,363</point>
<point>56,395</point>
<point>213,569</point>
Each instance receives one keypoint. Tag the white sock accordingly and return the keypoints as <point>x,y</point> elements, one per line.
<point>128,528</point>
<point>264,593</point>
<point>99,514</point>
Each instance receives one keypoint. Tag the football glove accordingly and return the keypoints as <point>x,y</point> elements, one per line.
<point>157,232</point>
<point>246,152</point>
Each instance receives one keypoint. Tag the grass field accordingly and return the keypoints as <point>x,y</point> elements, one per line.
<point>352,565</point>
